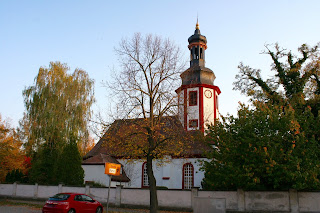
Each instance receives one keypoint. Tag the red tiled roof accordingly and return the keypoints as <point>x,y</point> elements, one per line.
<point>195,147</point>
<point>98,159</point>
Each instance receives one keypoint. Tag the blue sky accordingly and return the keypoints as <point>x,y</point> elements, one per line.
<point>83,34</point>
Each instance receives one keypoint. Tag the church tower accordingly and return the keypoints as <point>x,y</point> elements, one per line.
<point>197,96</point>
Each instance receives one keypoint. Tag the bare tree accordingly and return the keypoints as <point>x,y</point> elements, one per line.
<point>145,93</point>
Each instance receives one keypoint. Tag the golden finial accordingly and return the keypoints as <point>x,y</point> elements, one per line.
<point>197,25</point>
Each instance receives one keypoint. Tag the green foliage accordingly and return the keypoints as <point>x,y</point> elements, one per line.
<point>263,149</point>
<point>274,145</point>
<point>43,166</point>
<point>49,167</point>
<point>68,168</point>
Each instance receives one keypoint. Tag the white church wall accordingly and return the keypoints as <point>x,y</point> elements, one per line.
<point>95,173</point>
<point>133,169</point>
<point>181,107</point>
<point>208,106</point>
<point>217,104</point>
<point>168,174</point>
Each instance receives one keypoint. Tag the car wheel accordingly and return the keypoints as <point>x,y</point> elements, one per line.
<point>72,211</point>
<point>99,210</point>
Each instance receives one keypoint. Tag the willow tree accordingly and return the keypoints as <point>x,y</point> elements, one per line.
<point>58,107</point>
<point>145,91</point>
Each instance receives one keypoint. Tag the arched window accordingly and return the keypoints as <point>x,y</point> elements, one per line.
<point>187,176</point>
<point>145,181</point>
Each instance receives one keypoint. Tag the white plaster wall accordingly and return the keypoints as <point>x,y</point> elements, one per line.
<point>73,189</point>
<point>253,201</point>
<point>217,109</point>
<point>95,173</point>
<point>231,197</point>
<point>263,201</point>
<point>181,107</point>
<point>135,196</point>
<point>101,194</point>
<point>174,198</point>
<point>309,201</point>
<point>172,168</point>
<point>25,190</point>
<point>47,191</point>
<point>6,189</point>
<point>208,107</point>
<point>193,111</point>
<point>133,169</point>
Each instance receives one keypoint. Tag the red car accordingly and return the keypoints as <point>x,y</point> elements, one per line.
<point>72,203</point>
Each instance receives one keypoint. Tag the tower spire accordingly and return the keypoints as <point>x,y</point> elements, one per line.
<point>197,25</point>
<point>197,95</point>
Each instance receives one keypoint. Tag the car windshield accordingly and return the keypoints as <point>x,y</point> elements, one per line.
<point>60,197</point>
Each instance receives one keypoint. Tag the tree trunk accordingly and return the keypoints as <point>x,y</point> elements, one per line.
<point>152,187</point>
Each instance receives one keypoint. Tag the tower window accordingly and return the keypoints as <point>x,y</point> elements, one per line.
<point>193,99</point>
<point>201,55</point>
<point>197,53</point>
<point>188,178</point>
<point>193,123</point>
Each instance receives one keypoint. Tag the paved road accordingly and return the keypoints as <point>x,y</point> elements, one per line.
<point>26,209</point>
<point>18,209</point>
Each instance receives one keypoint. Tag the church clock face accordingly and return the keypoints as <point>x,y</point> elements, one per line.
<point>208,93</point>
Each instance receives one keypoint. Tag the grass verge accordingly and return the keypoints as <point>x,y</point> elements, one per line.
<point>17,203</point>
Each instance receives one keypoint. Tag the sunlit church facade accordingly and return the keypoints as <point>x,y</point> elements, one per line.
<point>198,107</point>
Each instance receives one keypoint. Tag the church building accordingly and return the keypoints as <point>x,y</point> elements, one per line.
<point>197,108</point>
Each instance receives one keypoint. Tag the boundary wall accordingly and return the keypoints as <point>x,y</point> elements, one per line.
<point>239,201</point>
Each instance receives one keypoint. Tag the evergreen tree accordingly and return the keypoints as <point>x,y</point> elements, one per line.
<point>43,166</point>
<point>68,168</point>
<point>15,175</point>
